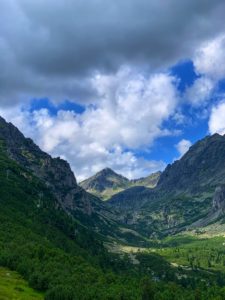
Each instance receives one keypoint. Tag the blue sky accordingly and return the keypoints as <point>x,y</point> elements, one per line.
<point>129,85</point>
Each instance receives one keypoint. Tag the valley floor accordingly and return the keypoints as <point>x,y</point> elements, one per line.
<point>194,253</point>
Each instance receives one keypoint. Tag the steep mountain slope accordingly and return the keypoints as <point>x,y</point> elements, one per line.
<point>106,183</point>
<point>202,167</point>
<point>184,194</point>
<point>60,181</point>
<point>55,173</point>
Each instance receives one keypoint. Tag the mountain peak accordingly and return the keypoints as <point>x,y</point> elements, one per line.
<point>104,179</point>
<point>107,171</point>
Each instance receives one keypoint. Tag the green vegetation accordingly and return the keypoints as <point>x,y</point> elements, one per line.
<point>12,286</point>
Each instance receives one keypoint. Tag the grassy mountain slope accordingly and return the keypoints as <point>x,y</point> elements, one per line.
<point>107,183</point>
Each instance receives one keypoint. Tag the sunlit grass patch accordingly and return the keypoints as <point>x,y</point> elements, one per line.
<point>13,287</point>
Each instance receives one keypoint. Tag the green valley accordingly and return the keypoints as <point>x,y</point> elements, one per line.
<point>67,244</point>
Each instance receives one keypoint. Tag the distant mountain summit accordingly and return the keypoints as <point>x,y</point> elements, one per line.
<point>105,179</point>
<point>107,182</point>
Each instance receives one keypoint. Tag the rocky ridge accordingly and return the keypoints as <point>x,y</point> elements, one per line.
<point>107,183</point>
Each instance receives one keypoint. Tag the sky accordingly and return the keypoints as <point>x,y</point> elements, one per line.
<point>129,85</point>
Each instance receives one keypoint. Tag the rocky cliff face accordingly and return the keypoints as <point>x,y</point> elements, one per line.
<point>202,165</point>
<point>219,199</point>
<point>58,177</point>
<point>55,172</point>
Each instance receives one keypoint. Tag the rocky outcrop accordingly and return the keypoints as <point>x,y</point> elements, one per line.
<point>219,199</point>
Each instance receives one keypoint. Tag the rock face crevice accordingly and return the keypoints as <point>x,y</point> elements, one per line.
<point>219,199</point>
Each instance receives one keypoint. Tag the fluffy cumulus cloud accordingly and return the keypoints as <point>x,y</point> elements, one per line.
<point>200,92</point>
<point>209,65</point>
<point>183,146</point>
<point>128,115</point>
<point>209,59</point>
<point>217,119</point>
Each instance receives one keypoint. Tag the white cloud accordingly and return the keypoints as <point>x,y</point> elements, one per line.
<point>128,114</point>
<point>132,107</point>
<point>217,119</point>
<point>183,146</point>
<point>200,92</point>
<point>209,59</point>
<point>209,64</point>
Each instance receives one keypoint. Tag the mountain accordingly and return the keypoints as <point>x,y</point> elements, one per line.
<point>201,168</point>
<point>184,195</point>
<point>56,236</point>
<point>106,183</point>
<point>55,173</point>
<point>53,233</point>
<point>58,178</point>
